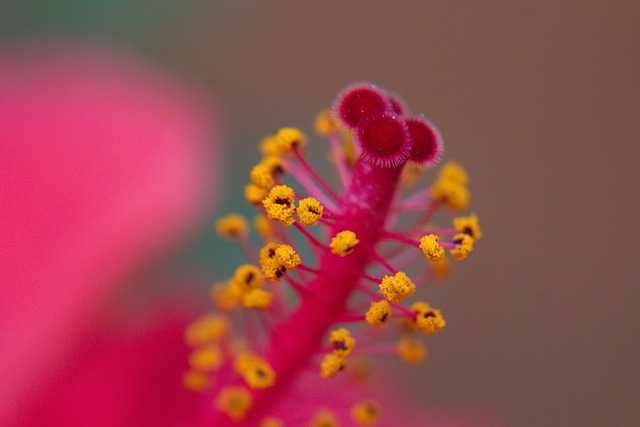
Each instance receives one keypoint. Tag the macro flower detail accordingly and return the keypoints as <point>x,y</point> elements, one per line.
<point>351,279</point>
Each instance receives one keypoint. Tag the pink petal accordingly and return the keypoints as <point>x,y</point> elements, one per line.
<point>104,161</point>
<point>121,375</point>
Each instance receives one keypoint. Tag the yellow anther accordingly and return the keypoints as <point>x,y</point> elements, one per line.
<point>452,193</point>
<point>267,253</point>
<point>263,226</point>
<point>453,171</point>
<point>261,176</point>
<point>278,259</point>
<point>395,288</point>
<point>468,225</point>
<point>332,364</point>
<point>232,227</point>
<point>365,413</point>
<point>258,299</point>
<point>269,145</point>
<point>411,350</point>
<point>274,165</point>
<point>289,139</point>
<point>287,257</point>
<point>324,418</point>
<point>265,173</point>
<point>464,246</point>
<point>196,380</point>
<point>431,248</point>
<point>248,277</point>
<point>206,358</point>
<point>441,268</point>
<point>211,328</point>
<point>341,341</point>
<point>309,211</point>
<point>271,422</point>
<point>279,204</point>
<point>227,295</point>
<point>254,194</point>
<point>325,124</point>
<point>343,243</point>
<point>243,362</point>
<point>427,320</point>
<point>256,372</point>
<point>234,401</point>
<point>378,313</point>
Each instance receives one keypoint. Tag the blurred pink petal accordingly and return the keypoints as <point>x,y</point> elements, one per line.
<point>104,161</point>
<point>121,375</point>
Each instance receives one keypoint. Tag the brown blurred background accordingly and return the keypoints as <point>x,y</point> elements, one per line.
<point>539,100</point>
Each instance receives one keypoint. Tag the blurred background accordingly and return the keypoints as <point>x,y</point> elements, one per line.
<point>540,101</point>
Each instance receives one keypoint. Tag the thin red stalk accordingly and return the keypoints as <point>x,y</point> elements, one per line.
<point>309,236</point>
<point>315,175</point>
<point>382,261</point>
<point>363,210</point>
<point>401,238</point>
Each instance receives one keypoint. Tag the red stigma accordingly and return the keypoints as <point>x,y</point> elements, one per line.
<point>358,102</point>
<point>396,105</point>
<point>425,142</point>
<point>384,140</point>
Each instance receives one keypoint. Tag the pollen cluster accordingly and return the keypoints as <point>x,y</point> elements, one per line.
<point>395,288</point>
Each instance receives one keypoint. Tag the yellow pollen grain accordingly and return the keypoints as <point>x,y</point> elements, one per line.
<point>341,341</point>
<point>263,226</point>
<point>271,422</point>
<point>254,194</point>
<point>269,145</point>
<point>463,248</point>
<point>234,401</point>
<point>227,295</point>
<point>395,288</point>
<point>325,124</point>
<point>196,381</point>
<point>324,418</point>
<point>289,139</point>
<point>261,176</point>
<point>309,211</point>
<point>210,328</point>
<point>331,364</point>
<point>279,204</point>
<point>411,350</point>
<point>256,372</point>
<point>287,257</point>
<point>441,268</point>
<point>343,243</point>
<point>378,313</point>
<point>427,320</point>
<point>453,171</point>
<point>248,277</point>
<point>232,227</point>
<point>452,193</point>
<point>258,299</point>
<point>468,225</point>
<point>206,358</point>
<point>431,248</point>
<point>267,252</point>
<point>366,413</point>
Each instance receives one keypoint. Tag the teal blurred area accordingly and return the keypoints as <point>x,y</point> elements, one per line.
<point>538,100</point>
